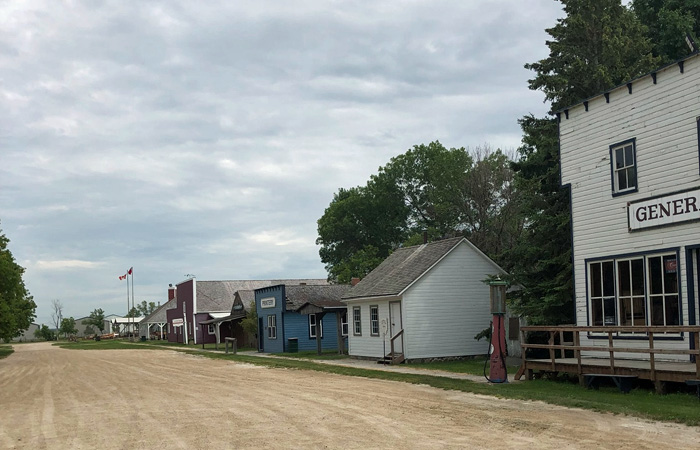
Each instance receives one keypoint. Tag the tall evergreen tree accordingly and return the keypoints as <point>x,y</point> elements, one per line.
<point>668,23</point>
<point>598,45</point>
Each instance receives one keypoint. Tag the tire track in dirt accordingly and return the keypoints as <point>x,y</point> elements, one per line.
<point>55,398</point>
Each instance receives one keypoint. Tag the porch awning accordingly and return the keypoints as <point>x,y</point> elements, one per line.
<point>227,318</point>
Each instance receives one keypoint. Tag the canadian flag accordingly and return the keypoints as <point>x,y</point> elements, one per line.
<point>121,277</point>
<point>131,271</point>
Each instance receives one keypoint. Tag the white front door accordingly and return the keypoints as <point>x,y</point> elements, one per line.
<point>396,325</point>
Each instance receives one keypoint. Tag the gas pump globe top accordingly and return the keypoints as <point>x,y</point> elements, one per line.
<point>498,296</point>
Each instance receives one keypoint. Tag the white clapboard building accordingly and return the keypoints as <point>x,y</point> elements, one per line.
<point>631,159</point>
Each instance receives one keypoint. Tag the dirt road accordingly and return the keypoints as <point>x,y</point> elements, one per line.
<point>137,399</point>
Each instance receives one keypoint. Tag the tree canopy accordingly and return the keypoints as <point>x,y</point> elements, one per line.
<point>598,45</point>
<point>68,327</point>
<point>17,307</point>
<point>429,188</point>
<point>96,319</point>
<point>668,22</point>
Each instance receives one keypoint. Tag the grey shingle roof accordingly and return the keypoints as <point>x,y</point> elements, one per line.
<point>322,296</point>
<point>401,268</point>
<point>218,296</point>
<point>159,315</point>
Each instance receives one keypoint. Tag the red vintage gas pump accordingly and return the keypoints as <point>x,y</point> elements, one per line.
<point>498,372</point>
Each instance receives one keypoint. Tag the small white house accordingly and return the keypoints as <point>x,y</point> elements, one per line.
<point>426,301</point>
<point>631,159</point>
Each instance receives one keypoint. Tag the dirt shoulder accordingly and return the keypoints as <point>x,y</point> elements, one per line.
<point>79,399</point>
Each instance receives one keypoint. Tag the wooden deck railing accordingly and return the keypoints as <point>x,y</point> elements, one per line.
<point>558,344</point>
<point>397,358</point>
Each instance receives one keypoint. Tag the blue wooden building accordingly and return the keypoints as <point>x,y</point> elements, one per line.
<point>301,317</point>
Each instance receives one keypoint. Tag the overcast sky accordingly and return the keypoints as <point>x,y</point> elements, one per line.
<point>207,138</point>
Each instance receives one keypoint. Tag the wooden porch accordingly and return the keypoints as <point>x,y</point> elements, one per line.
<point>565,354</point>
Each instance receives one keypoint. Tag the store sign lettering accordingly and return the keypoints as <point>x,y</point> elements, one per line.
<point>267,302</point>
<point>666,210</point>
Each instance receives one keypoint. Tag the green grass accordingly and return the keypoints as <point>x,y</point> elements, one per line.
<point>471,366</point>
<point>5,351</point>
<point>677,407</point>
<point>312,354</point>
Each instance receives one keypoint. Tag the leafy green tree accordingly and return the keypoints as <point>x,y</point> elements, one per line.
<point>68,327</point>
<point>668,22</point>
<point>145,308</point>
<point>432,189</point>
<point>96,319</point>
<point>360,222</point>
<point>250,322</point>
<point>45,333</point>
<point>598,45</point>
<point>133,312</point>
<point>89,330</point>
<point>430,179</point>
<point>17,307</point>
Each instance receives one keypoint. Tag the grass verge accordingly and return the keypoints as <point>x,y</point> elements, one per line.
<point>5,351</point>
<point>677,407</point>
<point>473,366</point>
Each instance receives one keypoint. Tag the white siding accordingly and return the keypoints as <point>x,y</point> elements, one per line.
<point>366,345</point>
<point>662,118</point>
<point>448,306</point>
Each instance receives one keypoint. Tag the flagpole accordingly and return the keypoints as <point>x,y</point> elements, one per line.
<point>127,295</point>
<point>133,319</point>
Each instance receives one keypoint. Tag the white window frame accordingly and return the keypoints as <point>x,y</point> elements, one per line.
<point>344,328</point>
<point>374,320</point>
<point>272,326</point>
<point>356,321</point>
<point>624,167</point>
<point>313,323</point>
<point>210,329</point>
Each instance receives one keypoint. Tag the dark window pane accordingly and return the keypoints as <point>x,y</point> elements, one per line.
<point>638,277</point>
<point>608,279</point>
<point>626,312</point>
<point>655,275</point>
<point>597,312</point>
<point>640,311</point>
<point>623,276</point>
<point>672,310</point>
<point>670,275</point>
<point>657,311</point>
<point>631,177</point>
<point>622,179</point>
<point>596,285</point>
<point>610,313</point>
<point>619,158</point>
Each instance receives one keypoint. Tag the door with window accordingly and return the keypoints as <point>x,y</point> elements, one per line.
<point>396,325</point>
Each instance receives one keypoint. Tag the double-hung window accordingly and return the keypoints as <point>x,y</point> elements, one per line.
<point>374,320</point>
<point>344,324</point>
<point>356,321</point>
<point>634,291</point>
<point>210,329</point>
<point>272,327</point>
<point>623,160</point>
<point>663,290</point>
<point>314,325</point>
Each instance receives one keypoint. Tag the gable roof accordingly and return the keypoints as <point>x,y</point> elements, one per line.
<point>218,296</point>
<point>403,267</point>
<point>322,296</point>
<point>159,315</point>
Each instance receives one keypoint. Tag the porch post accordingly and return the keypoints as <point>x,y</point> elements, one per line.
<point>339,327</point>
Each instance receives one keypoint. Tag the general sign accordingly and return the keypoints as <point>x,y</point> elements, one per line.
<point>665,210</point>
<point>268,302</point>
<point>177,322</point>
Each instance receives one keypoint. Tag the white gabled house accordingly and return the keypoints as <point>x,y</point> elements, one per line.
<point>631,159</point>
<point>425,301</point>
